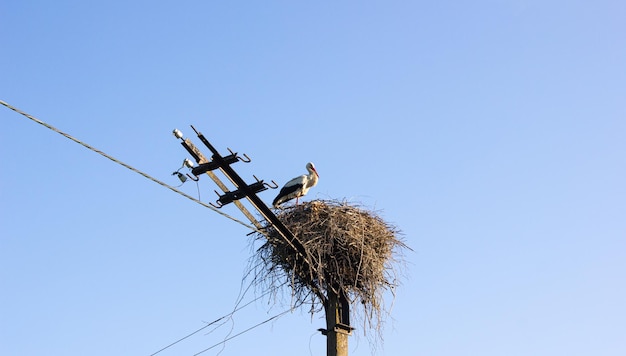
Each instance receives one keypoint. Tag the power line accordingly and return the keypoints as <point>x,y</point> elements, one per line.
<point>245,331</point>
<point>145,175</point>
<point>126,165</point>
<point>190,335</point>
<point>209,324</point>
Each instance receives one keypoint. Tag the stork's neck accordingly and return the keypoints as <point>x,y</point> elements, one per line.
<point>312,178</point>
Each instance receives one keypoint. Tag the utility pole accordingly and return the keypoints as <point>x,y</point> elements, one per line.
<point>338,328</point>
<point>336,304</point>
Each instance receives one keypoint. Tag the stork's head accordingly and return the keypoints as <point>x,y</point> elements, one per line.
<point>311,168</point>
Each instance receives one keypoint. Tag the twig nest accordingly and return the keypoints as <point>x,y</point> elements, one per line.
<point>349,250</point>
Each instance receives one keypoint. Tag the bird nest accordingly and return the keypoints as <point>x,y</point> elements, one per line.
<point>349,251</point>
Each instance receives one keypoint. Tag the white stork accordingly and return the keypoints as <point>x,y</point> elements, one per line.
<point>297,187</point>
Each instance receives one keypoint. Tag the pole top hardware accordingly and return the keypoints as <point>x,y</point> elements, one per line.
<point>343,329</point>
<point>229,197</point>
<point>214,164</point>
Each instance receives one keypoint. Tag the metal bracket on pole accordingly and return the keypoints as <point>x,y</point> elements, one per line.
<point>343,324</point>
<point>229,197</point>
<point>213,165</point>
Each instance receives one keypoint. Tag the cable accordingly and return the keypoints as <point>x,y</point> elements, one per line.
<point>311,338</point>
<point>188,336</point>
<point>66,135</point>
<point>242,294</point>
<point>245,331</point>
<point>127,166</point>
<point>145,175</point>
<point>304,255</point>
<point>211,323</point>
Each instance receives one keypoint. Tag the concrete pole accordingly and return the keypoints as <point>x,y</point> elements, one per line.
<point>336,336</point>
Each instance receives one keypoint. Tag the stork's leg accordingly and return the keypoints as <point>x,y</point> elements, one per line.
<point>297,200</point>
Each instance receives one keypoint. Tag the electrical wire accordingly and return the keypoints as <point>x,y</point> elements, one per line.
<point>211,323</point>
<point>188,336</point>
<point>242,294</point>
<point>127,166</point>
<point>66,135</point>
<point>254,229</point>
<point>243,332</point>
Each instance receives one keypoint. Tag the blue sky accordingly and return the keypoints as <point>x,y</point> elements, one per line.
<point>490,132</point>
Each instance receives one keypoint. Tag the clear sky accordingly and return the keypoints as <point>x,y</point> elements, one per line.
<point>491,132</point>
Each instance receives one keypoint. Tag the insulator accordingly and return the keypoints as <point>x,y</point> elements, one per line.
<point>188,163</point>
<point>178,133</point>
<point>182,177</point>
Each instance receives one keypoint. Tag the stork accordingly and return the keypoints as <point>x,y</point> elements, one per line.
<point>297,187</point>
